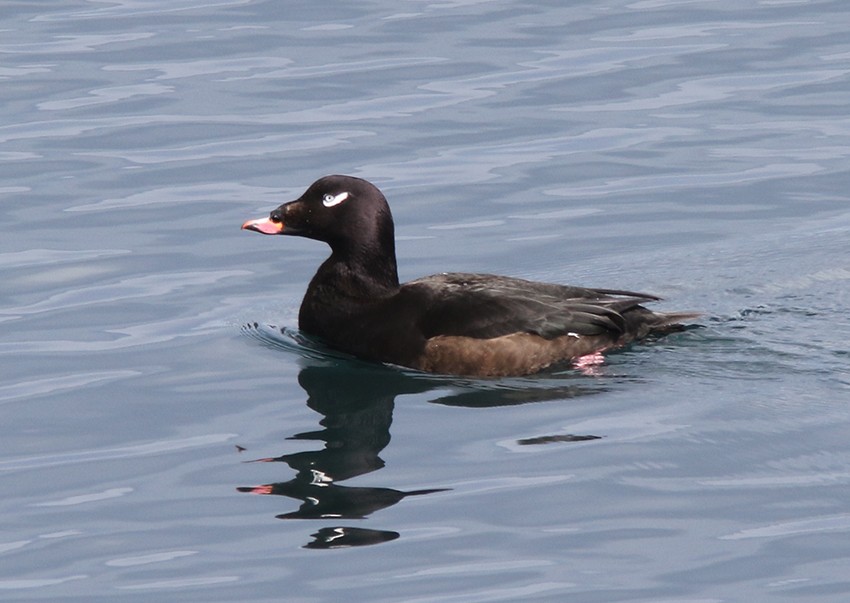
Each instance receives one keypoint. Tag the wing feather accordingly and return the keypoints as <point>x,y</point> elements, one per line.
<point>486,306</point>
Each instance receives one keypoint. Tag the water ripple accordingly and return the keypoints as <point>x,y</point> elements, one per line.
<point>839,523</point>
<point>81,499</point>
<point>25,583</point>
<point>46,385</point>
<point>148,559</point>
<point>137,287</point>
<point>121,452</point>
<point>49,257</point>
<point>102,96</point>
<point>72,43</point>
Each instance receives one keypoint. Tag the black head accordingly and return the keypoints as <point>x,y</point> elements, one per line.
<point>349,214</point>
<point>339,210</point>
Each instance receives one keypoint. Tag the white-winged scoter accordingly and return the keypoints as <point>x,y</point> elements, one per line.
<point>451,323</point>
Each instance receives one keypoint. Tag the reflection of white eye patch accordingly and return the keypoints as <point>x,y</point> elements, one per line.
<point>331,200</point>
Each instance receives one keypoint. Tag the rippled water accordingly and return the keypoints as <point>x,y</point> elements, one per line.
<point>169,435</point>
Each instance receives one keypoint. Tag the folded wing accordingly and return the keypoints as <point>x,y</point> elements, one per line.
<point>486,306</point>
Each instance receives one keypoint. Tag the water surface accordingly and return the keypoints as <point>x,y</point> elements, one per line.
<point>169,435</point>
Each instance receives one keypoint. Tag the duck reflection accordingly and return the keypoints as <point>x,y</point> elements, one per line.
<point>357,404</point>
<point>356,401</point>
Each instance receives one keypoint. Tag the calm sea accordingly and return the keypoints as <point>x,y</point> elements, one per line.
<point>168,435</point>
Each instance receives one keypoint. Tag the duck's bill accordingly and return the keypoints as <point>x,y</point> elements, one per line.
<point>264,226</point>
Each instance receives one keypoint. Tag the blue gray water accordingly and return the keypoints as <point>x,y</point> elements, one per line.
<point>694,149</point>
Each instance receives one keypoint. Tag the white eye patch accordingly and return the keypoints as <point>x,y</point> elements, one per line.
<point>330,200</point>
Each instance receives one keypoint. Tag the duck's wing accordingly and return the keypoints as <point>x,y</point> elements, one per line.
<point>485,306</point>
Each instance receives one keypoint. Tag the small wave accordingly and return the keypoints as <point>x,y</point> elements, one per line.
<point>291,340</point>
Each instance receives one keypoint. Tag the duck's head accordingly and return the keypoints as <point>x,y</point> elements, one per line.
<point>346,212</point>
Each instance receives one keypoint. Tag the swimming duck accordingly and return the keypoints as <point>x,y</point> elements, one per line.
<point>452,323</point>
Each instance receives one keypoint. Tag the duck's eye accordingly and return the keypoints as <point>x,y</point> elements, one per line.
<point>330,200</point>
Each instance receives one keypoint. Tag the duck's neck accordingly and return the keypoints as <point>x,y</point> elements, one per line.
<point>358,274</point>
<point>364,267</point>
<point>342,288</point>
